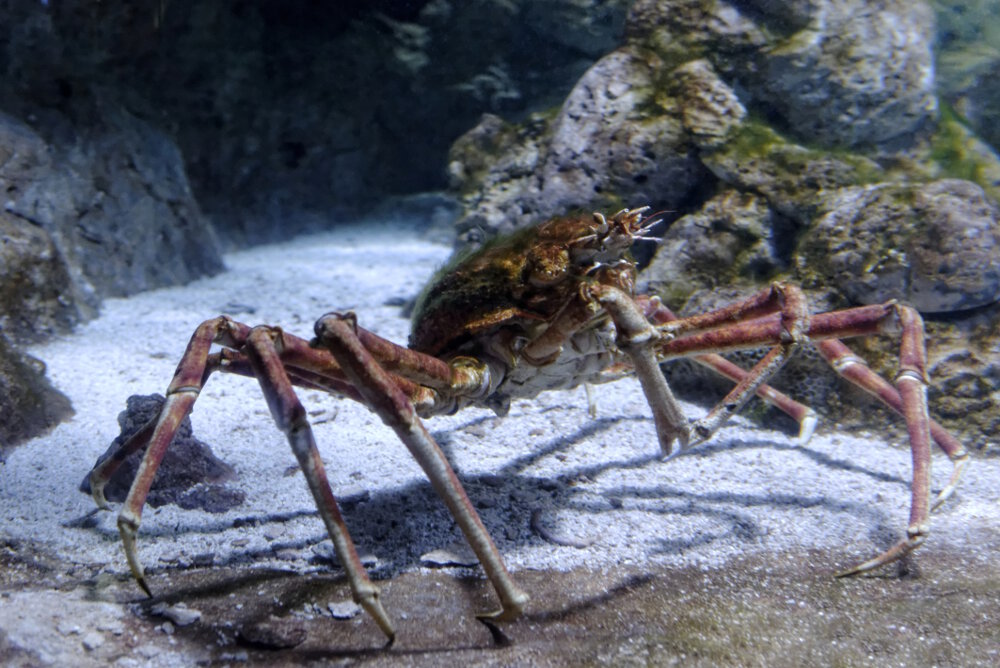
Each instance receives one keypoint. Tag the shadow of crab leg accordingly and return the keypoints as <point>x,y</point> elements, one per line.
<point>290,416</point>
<point>637,339</point>
<point>181,395</point>
<point>804,415</point>
<point>339,334</point>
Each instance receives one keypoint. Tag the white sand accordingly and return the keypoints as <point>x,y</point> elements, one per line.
<point>596,481</point>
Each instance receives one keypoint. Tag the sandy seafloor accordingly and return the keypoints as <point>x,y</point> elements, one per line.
<point>596,482</point>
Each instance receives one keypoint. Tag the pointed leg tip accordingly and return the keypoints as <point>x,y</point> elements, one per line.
<point>807,428</point>
<point>144,586</point>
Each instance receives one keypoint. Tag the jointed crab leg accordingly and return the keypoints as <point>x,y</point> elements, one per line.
<point>290,417</point>
<point>658,314</point>
<point>637,339</point>
<point>339,333</point>
<point>181,395</point>
<point>262,360</point>
<point>911,382</point>
<point>712,333</point>
<point>854,369</point>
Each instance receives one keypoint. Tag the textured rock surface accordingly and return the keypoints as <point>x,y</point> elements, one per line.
<point>839,73</point>
<point>29,405</point>
<point>612,140</point>
<point>100,209</point>
<point>935,246</point>
<point>189,475</point>
<point>288,115</point>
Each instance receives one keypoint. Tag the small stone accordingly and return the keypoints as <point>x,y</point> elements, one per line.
<point>178,614</point>
<point>92,641</point>
<point>343,609</point>
<point>457,554</point>
<point>67,628</point>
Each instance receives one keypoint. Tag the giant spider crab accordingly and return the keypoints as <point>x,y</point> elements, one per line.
<point>549,307</point>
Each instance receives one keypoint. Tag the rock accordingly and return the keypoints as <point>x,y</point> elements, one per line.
<point>858,73</point>
<point>935,246</point>
<point>852,73</point>
<point>179,615</point>
<point>115,201</point>
<point>28,402</point>
<point>604,145</point>
<point>458,554</point>
<point>190,475</point>
<point>343,609</point>
<point>734,240</point>
<point>95,211</point>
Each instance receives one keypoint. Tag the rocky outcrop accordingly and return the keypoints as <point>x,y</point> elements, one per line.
<point>94,211</point>
<point>29,405</point>
<point>190,475</point>
<point>787,140</point>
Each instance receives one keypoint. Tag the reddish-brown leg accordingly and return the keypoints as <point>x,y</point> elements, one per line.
<point>712,334</point>
<point>263,360</point>
<point>658,313</point>
<point>262,350</point>
<point>181,395</point>
<point>854,369</point>
<point>786,304</point>
<point>340,334</point>
<point>637,338</point>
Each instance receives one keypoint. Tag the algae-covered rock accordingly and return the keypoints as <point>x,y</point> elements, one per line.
<point>838,73</point>
<point>611,140</point>
<point>935,246</point>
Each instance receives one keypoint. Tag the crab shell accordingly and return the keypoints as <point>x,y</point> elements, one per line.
<point>519,283</point>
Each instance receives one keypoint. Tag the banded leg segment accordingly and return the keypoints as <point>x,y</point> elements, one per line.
<point>191,373</point>
<point>262,348</point>
<point>338,332</point>
<point>855,370</point>
<point>781,306</point>
<point>658,314</point>
<point>911,384</point>
<point>907,398</point>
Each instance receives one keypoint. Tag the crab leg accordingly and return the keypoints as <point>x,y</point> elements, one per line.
<point>911,382</point>
<point>854,369</point>
<point>658,313</point>
<point>637,338</point>
<point>788,305</point>
<point>181,395</point>
<point>909,397</point>
<point>339,333</point>
<point>291,419</point>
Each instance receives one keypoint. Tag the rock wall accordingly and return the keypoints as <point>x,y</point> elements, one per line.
<point>800,141</point>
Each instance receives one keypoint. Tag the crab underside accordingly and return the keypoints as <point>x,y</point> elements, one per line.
<point>552,307</point>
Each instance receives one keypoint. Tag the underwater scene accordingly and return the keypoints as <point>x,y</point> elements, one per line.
<point>567,332</point>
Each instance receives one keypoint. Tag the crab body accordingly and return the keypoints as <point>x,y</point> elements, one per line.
<point>550,307</point>
<point>493,303</point>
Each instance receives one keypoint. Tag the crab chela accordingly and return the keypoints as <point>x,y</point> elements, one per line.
<point>549,307</point>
